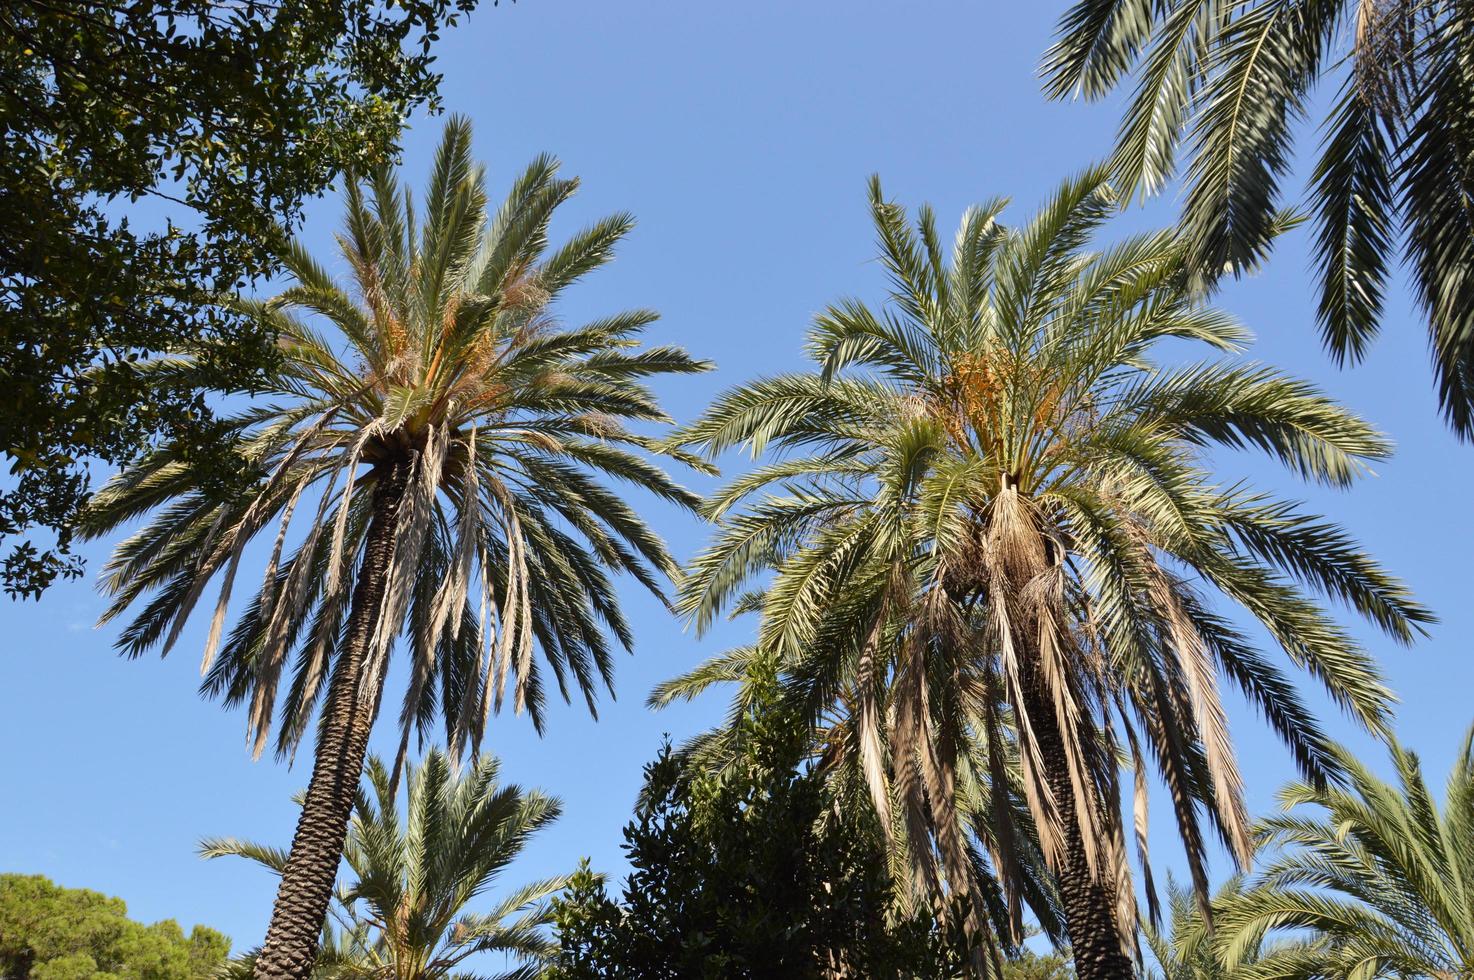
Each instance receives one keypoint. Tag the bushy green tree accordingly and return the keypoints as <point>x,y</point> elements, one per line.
<point>752,873</point>
<point>151,151</point>
<point>1029,965</point>
<point>452,446</point>
<point>48,932</point>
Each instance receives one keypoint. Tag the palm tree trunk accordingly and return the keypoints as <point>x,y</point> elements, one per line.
<point>306,886</point>
<point>1089,907</point>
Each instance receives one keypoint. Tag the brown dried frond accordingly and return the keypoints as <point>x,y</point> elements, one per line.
<point>525,291</point>
<point>452,310</point>
<point>521,289</point>
<point>403,366</point>
<point>365,274</point>
<point>599,425</point>
<point>1386,49</point>
<point>1015,543</point>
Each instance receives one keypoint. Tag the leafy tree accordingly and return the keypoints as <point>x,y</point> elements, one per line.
<point>1029,965</point>
<point>1395,174</point>
<point>450,440</point>
<point>989,494</point>
<point>1373,871</point>
<point>52,933</point>
<point>152,149</point>
<point>751,873</point>
<point>405,913</point>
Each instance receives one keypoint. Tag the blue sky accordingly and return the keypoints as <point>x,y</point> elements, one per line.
<point>740,135</point>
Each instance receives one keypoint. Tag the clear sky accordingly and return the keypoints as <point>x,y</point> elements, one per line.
<point>740,134</point>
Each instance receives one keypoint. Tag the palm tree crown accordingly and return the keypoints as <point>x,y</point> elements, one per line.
<point>1396,166</point>
<point>980,532</point>
<point>444,359</point>
<point>1374,872</point>
<point>405,912</point>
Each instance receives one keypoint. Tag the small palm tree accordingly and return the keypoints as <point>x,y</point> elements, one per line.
<point>405,913</point>
<point>1380,877</point>
<point>1396,166</point>
<point>981,537</point>
<point>1187,952</point>
<point>1184,952</point>
<point>449,441</point>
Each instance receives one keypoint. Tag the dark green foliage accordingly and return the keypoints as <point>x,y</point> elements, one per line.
<point>753,873</point>
<point>1031,966</point>
<point>52,933</point>
<point>152,152</point>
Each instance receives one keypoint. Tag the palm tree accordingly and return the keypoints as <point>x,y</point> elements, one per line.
<point>404,915</point>
<point>1380,877</point>
<point>1395,172</point>
<point>1186,951</point>
<point>450,441</point>
<point>988,495</point>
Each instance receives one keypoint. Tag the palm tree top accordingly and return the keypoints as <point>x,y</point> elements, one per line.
<point>439,364</point>
<point>1021,344</point>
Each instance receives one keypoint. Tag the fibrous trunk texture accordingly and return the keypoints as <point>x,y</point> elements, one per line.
<point>1088,905</point>
<point>306,886</point>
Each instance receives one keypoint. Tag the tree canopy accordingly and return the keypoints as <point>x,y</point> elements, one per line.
<point>48,932</point>
<point>153,150</point>
<point>750,873</point>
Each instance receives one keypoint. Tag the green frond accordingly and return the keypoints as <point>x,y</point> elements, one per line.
<point>274,859</point>
<point>1248,405</point>
<point>1356,222</point>
<point>1095,44</point>
<point>725,668</point>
